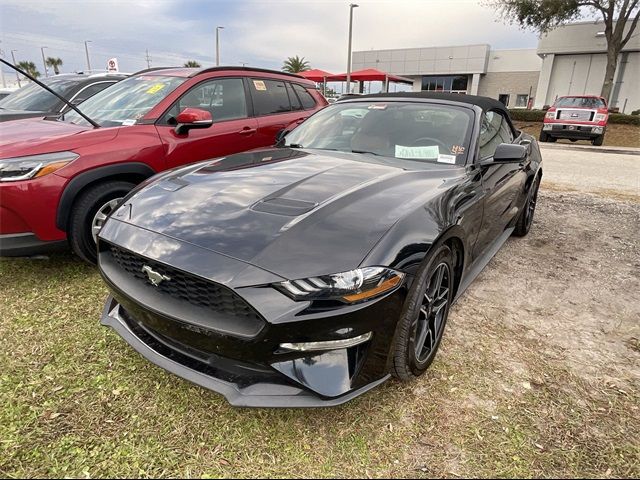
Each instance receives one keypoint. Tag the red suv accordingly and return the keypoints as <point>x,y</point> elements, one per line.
<point>576,118</point>
<point>61,177</point>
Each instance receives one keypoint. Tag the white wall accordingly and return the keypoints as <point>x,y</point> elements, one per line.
<point>516,60</point>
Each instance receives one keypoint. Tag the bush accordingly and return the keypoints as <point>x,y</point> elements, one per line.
<point>523,115</point>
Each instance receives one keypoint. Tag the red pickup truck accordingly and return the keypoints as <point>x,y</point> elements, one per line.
<point>576,118</point>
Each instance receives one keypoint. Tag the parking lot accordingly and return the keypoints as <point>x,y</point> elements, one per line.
<point>538,375</point>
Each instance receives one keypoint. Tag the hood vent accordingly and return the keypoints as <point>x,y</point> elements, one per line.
<point>284,206</point>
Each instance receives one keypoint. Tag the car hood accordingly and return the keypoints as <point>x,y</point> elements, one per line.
<point>291,212</point>
<point>34,136</point>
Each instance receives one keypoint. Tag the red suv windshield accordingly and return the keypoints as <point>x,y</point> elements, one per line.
<point>126,101</point>
<point>580,102</point>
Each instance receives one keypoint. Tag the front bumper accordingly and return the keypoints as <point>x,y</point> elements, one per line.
<point>575,131</point>
<point>209,323</point>
<point>242,386</point>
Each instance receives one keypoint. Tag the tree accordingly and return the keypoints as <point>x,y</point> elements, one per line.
<point>295,65</point>
<point>56,63</point>
<point>30,68</point>
<point>544,15</point>
<point>192,64</point>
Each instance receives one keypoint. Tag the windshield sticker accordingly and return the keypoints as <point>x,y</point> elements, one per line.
<point>446,158</point>
<point>128,122</point>
<point>259,85</point>
<point>155,88</point>
<point>457,150</point>
<point>382,106</point>
<point>431,152</point>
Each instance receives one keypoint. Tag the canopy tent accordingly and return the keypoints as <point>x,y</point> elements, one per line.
<point>370,75</point>
<point>315,75</point>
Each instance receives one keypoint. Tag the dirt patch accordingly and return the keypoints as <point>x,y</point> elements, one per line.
<point>617,135</point>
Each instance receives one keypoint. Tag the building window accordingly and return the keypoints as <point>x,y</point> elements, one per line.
<point>504,99</point>
<point>521,100</point>
<point>445,83</point>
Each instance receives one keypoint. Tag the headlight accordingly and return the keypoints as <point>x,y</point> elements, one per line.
<point>24,168</point>
<point>600,117</point>
<point>551,115</point>
<point>352,286</point>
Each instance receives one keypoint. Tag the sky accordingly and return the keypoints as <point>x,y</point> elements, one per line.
<point>258,33</point>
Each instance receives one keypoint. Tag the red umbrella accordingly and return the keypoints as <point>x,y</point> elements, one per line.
<point>370,75</point>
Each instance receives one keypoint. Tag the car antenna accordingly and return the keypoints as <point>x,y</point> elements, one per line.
<point>37,82</point>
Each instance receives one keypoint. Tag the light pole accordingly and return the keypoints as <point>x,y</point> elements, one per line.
<point>218,45</point>
<point>351,7</point>
<point>86,51</point>
<point>44,62</point>
<point>13,57</point>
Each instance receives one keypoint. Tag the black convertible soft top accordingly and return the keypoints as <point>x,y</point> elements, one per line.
<point>485,103</point>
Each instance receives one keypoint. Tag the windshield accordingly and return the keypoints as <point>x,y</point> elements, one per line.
<point>413,131</point>
<point>34,98</point>
<point>580,102</point>
<point>126,101</point>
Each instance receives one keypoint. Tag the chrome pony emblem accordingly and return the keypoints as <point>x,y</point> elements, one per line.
<point>154,277</point>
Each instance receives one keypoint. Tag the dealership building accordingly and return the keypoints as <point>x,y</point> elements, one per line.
<point>569,60</point>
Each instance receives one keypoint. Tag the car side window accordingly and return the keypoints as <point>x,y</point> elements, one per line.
<point>224,98</point>
<point>90,91</point>
<point>295,101</point>
<point>269,96</point>
<point>306,98</point>
<point>494,130</point>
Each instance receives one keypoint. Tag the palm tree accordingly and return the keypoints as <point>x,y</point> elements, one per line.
<point>192,64</point>
<point>295,65</point>
<point>30,68</point>
<point>55,63</point>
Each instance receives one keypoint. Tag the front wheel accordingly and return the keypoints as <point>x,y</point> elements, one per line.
<point>598,141</point>
<point>526,216</point>
<point>424,317</point>
<point>544,136</point>
<point>89,213</point>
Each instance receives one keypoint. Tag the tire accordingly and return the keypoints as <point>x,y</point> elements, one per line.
<point>84,211</point>
<point>551,139</point>
<point>544,136</point>
<point>525,220</point>
<point>419,314</point>
<point>598,141</point>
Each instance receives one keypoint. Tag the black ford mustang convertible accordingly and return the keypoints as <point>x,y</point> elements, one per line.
<point>307,274</point>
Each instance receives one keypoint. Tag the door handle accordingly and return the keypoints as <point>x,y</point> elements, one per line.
<point>247,131</point>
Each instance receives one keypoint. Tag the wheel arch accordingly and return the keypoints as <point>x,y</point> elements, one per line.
<point>133,172</point>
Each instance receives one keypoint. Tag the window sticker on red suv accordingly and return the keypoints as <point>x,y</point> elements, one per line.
<point>259,85</point>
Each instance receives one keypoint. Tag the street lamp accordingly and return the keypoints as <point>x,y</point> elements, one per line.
<point>86,51</point>
<point>44,62</point>
<point>351,7</point>
<point>218,45</point>
<point>13,57</point>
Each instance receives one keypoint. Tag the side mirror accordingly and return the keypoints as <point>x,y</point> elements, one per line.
<point>509,153</point>
<point>191,118</point>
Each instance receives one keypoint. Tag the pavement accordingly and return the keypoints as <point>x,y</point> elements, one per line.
<point>591,148</point>
<point>592,169</point>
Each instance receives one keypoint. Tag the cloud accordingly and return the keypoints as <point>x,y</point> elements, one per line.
<point>261,33</point>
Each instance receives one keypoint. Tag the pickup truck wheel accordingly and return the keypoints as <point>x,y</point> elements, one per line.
<point>598,141</point>
<point>544,136</point>
<point>88,214</point>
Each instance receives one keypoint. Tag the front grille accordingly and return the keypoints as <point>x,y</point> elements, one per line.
<point>184,286</point>
<point>578,115</point>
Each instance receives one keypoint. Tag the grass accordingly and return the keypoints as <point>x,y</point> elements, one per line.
<point>76,401</point>
<point>617,135</point>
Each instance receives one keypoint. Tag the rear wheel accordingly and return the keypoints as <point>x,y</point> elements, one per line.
<point>526,216</point>
<point>424,317</point>
<point>89,213</point>
<point>598,141</point>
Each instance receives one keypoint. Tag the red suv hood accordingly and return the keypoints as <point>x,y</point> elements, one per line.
<point>31,137</point>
